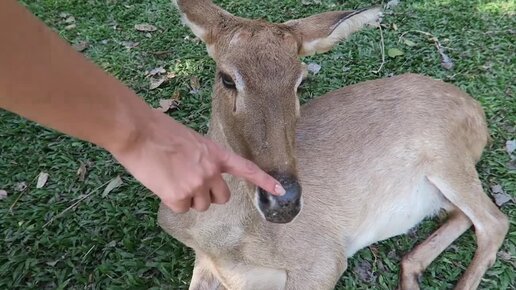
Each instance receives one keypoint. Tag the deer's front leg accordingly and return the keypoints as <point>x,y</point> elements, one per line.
<point>203,278</point>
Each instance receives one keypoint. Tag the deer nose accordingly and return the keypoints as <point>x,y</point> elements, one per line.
<point>281,209</point>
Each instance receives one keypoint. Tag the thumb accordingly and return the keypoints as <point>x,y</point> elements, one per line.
<point>234,164</point>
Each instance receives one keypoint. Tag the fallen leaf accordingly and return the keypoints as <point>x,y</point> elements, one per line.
<point>364,271</point>
<point>20,186</point>
<point>81,46</point>
<point>510,146</point>
<point>70,27</point>
<point>394,26</point>
<point>167,104</point>
<point>409,42</point>
<point>156,82</point>
<point>3,194</point>
<point>42,179</point>
<point>195,84</point>
<point>53,263</point>
<point>129,44</point>
<point>64,14</point>
<point>310,2</point>
<point>446,61</point>
<point>114,183</point>
<point>505,256</point>
<point>161,53</point>
<point>391,4</point>
<point>70,19</point>
<point>145,27</point>
<point>512,165</point>
<point>394,52</point>
<point>81,172</point>
<point>500,196</point>
<point>156,71</point>
<point>313,68</point>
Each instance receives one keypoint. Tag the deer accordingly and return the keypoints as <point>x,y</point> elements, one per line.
<point>359,165</point>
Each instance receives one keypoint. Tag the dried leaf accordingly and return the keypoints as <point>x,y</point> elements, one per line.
<point>64,14</point>
<point>53,263</point>
<point>70,27</point>
<point>114,183</point>
<point>512,164</point>
<point>510,146</point>
<point>42,179</point>
<point>145,27</point>
<point>81,46</point>
<point>500,196</point>
<point>313,68</point>
<point>446,61</point>
<point>409,42</point>
<point>195,84</point>
<point>394,52</point>
<point>310,2</point>
<point>391,4</point>
<point>20,186</point>
<point>394,26</point>
<point>505,256</point>
<point>168,104</point>
<point>81,172</point>
<point>161,53</point>
<point>129,44</point>
<point>156,71</point>
<point>364,271</point>
<point>3,194</point>
<point>156,82</point>
<point>70,19</point>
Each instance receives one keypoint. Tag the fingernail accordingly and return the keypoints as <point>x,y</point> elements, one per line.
<point>279,189</point>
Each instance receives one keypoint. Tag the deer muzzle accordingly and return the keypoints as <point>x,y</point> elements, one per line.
<point>281,209</point>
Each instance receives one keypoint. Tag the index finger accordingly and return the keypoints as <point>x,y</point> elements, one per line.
<point>241,167</point>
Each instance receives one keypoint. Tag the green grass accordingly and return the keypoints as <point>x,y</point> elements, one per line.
<point>114,241</point>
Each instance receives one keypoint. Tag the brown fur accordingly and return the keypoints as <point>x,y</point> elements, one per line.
<point>373,160</point>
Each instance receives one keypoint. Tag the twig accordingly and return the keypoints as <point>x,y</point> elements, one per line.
<point>382,47</point>
<point>20,195</point>
<point>74,204</point>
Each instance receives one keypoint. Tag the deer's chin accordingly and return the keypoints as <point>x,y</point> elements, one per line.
<point>280,209</point>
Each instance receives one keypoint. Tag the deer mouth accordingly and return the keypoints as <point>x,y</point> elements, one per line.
<point>281,209</point>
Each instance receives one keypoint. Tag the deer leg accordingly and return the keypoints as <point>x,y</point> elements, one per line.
<point>417,260</point>
<point>203,278</point>
<point>464,190</point>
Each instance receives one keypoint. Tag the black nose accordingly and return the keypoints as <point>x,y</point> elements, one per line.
<point>281,209</point>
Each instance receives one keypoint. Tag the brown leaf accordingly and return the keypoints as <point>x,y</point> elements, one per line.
<point>81,46</point>
<point>510,146</point>
<point>81,172</point>
<point>195,85</point>
<point>71,26</point>
<point>167,104</point>
<point>364,271</point>
<point>145,27</point>
<point>42,179</point>
<point>3,194</point>
<point>156,71</point>
<point>20,186</point>
<point>156,82</point>
<point>161,54</point>
<point>129,44</point>
<point>70,19</point>
<point>114,183</point>
<point>500,196</point>
<point>511,164</point>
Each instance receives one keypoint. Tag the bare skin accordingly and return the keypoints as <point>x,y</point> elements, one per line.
<point>59,88</point>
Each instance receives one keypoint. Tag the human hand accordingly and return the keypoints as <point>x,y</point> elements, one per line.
<point>184,168</point>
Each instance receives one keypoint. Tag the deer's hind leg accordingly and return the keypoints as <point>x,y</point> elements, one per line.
<point>203,278</point>
<point>416,261</point>
<point>460,184</point>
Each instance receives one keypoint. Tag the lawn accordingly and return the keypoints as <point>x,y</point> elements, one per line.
<point>71,234</point>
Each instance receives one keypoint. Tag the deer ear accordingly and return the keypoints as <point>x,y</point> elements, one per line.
<point>202,17</point>
<point>319,33</point>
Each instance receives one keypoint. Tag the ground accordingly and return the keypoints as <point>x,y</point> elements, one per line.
<point>70,234</point>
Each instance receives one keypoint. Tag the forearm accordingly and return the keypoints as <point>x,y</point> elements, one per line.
<point>45,80</point>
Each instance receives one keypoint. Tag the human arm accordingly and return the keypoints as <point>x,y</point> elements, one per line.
<point>45,80</point>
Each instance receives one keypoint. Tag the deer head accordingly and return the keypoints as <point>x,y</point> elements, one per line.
<point>255,103</point>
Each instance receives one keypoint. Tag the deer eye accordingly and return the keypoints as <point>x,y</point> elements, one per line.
<point>227,81</point>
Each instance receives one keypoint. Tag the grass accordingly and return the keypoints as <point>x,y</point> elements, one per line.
<point>114,242</point>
